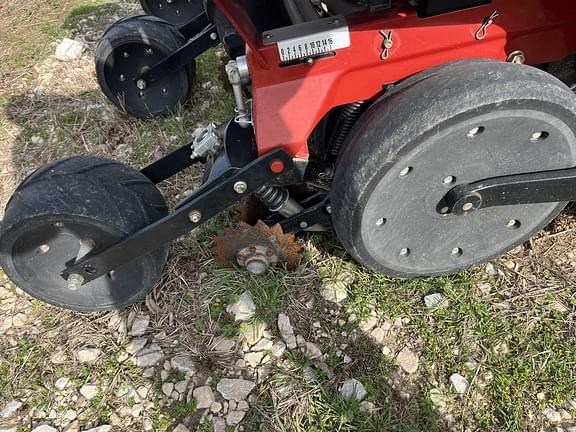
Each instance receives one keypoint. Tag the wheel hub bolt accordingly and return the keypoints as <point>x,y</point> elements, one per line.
<point>240,187</point>
<point>256,266</point>
<point>195,216</point>
<point>141,84</point>
<point>74,281</point>
<point>467,207</point>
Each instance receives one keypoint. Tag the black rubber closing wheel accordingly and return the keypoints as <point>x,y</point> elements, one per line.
<point>82,198</point>
<point>130,47</point>
<point>177,12</point>
<point>457,124</point>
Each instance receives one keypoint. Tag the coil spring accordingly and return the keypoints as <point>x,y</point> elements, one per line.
<point>271,196</point>
<point>347,116</point>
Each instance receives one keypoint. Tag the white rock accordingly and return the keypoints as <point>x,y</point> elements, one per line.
<point>5,292</point>
<point>20,320</point>
<point>140,325</point>
<point>224,344</point>
<point>70,415</point>
<point>244,308</point>
<point>145,360</point>
<point>216,407</point>
<point>552,415</point>
<point>61,383</point>
<point>135,345</point>
<point>234,417</point>
<point>235,389</point>
<point>180,428</point>
<point>263,345</point>
<point>88,355</point>
<point>184,364</point>
<point>459,383</point>
<point>335,291</point>
<point>368,323</point>
<point>242,406</point>
<point>353,389</point>
<point>89,391</point>
<point>286,331</point>
<point>407,360</point>
<point>278,348</point>
<point>253,332</point>
<point>148,373</point>
<point>219,424</point>
<point>204,397</point>
<point>5,324</point>
<point>44,428</point>
<point>378,335</point>
<point>181,386</point>
<point>8,428</point>
<point>347,359</point>
<point>254,359</point>
<point>569,405</point>
<point>10,408</point>
<point>435,300</point>
<point>300,341</point>
<point>103,428</point>
<point>167,388</point>
<point>313,351</point>
<point>69,50</point>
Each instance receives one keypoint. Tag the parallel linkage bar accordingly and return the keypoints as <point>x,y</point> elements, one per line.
<point>183,56</point>
<point>195,25</point>
<point>171,164</point>
<point>531,188</point>
<point>197,209</point>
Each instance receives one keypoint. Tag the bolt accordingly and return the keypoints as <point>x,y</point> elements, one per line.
<point>388,43</point>
<point>195,216</point>
<point>240,187</point>
<point>467,206</point>
<point>309,61</point>
<point>257,266</point>
<point>516,57</point>
<point>169,1</point>
<point>74,281</point>
<point>267,36</point>
<point>214,36</point>
<point>328,209</point>
<point>141,84</point>
<point>303,224</point>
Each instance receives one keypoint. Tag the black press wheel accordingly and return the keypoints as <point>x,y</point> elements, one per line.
<point>84,199</point>
<point>177,12</point>
<point>459,124</point>
<point>130,47</point>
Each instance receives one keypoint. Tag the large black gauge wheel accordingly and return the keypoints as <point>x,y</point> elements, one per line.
<point>460,123</point>
<point>130,47</point>
<point>177,12</point>
<point>87,201</point>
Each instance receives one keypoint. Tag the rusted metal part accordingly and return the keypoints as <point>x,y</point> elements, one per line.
<point>257,247</point>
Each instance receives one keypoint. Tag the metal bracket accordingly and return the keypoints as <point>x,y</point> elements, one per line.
<point>531,188</point>
<point>209,200</point>
<point>183,56</point>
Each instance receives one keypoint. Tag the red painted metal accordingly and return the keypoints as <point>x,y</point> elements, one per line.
<point>289,101</point>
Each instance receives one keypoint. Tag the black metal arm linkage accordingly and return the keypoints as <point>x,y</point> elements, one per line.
<point>195,210</point>
<point>531,188</point>
<point>171,164</point>
<point>182,56</point>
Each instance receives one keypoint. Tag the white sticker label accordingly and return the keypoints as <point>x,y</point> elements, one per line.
<point>314,44</point>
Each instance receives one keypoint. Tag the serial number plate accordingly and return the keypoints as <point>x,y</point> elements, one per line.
<point>309,39</point>
<point>313,45</point>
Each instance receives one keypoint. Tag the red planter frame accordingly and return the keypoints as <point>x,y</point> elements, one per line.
<point>288,102</point>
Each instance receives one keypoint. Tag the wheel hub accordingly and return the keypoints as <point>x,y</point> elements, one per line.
<point>402,224</point>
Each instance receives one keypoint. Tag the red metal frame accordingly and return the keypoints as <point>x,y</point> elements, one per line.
<point>288,102</point>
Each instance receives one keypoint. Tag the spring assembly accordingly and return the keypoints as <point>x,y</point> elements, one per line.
<point>346,118</point>
<point>278,200</point>
<point>271,196</point>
